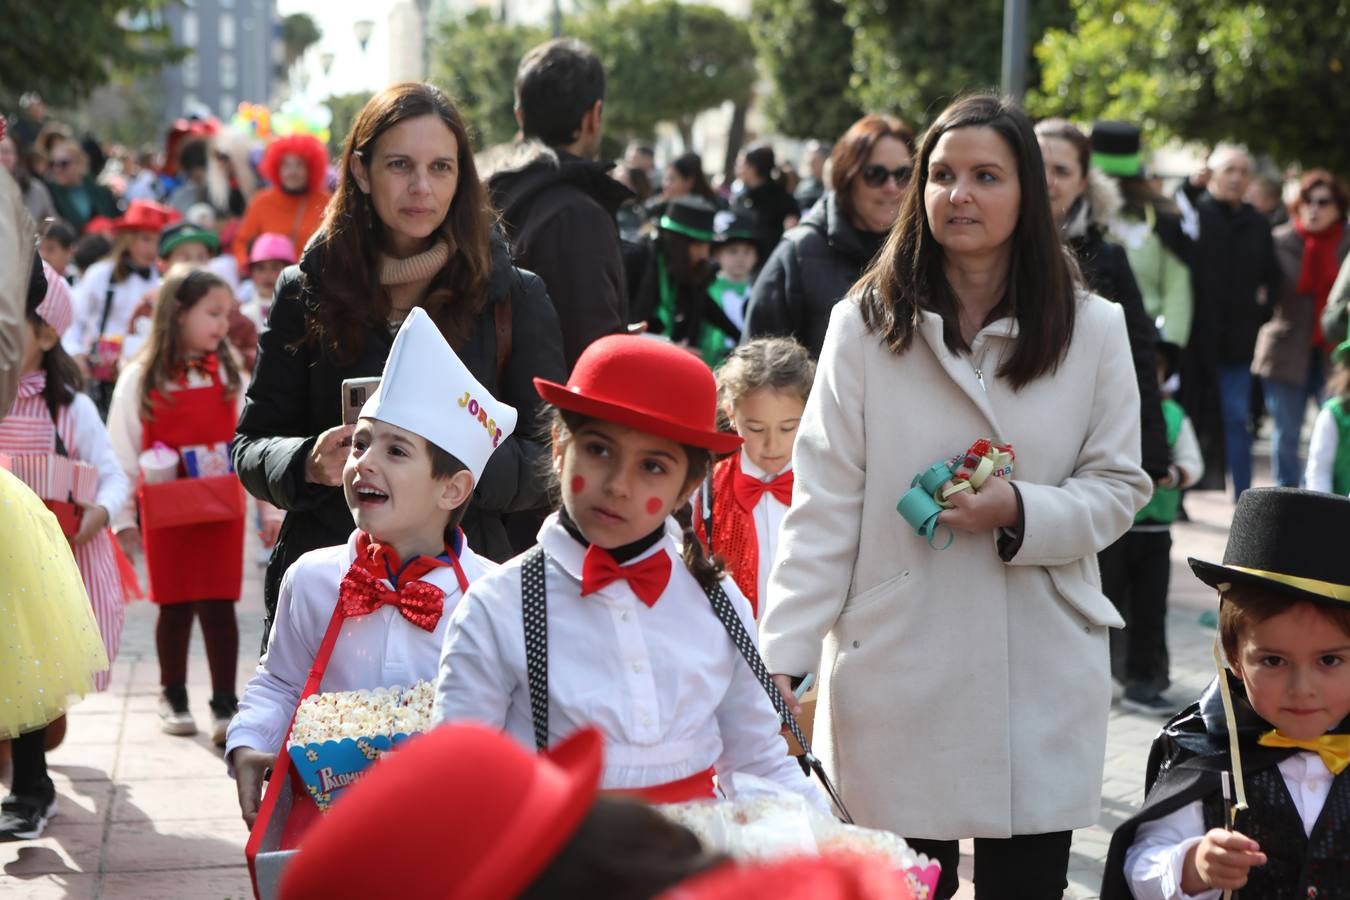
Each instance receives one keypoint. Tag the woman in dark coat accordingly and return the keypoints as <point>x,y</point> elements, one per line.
<point>764,196</point>
<point>816,263</point>
<point>408,226</point>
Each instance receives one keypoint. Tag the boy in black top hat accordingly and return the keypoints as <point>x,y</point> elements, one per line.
<point>736,254</point>
<point>1257,798</point>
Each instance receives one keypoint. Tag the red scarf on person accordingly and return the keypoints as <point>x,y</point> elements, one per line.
<point>1319,269</point>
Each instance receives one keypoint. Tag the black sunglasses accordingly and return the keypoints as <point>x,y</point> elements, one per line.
<point>876,175</point>
<point>1320,201</point>
<point>62,163</point>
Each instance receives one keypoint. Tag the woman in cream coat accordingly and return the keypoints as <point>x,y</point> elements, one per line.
<point>965,691</point>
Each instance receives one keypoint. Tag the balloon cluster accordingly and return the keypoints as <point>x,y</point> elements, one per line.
<point>298,117</point>
<point>253,119</point>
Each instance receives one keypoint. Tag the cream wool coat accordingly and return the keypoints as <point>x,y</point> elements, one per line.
<point>961,696</point>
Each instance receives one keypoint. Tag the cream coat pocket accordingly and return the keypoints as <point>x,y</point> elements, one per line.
<point>873,599</point>
<point>1078,583</point>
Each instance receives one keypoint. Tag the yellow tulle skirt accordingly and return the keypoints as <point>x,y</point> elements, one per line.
<point>49,641</point>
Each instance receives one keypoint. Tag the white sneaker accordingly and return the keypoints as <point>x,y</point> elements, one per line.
<point>174,721</point>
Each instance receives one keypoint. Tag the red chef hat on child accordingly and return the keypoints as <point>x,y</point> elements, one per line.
<point>459,813</point>
<point>647,384</point>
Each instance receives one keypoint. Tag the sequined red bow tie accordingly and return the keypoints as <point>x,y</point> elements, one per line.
<point>748,489</point>
<point>419,602</point>
<point>208,366</point>
<point>647,578</point>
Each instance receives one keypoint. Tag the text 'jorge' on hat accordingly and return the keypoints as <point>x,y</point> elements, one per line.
<point>1286,541</point>
<point>646,384</point>
<point>427,390</point>
<point>1116,148</point>
<point>689,216</point>
<point>459,813</point>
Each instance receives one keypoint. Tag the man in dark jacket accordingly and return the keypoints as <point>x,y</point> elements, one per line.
<point>811,269</point>
<point>1236,278</point>
<point>558,201</point>
<point>669,274</point>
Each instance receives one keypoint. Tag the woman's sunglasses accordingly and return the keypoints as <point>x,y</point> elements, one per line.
<point>1320,202</point>
<point>875,175</point>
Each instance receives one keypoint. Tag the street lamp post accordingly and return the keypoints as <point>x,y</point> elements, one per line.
<point>1015,48</point>
<point>363,29</point>
<point>424,23</point>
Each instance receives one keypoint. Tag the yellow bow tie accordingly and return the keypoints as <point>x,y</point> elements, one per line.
<point>1333,748</point>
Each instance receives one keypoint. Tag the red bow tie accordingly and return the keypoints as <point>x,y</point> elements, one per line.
<point>748,489</point>
<point>647,578</point>
<point>207,366</point>
<point>362,593</point>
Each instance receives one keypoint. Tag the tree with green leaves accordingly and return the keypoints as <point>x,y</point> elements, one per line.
<point>474,60</point>
<point>667,61</point>
<point>64,49</point>
<point>806,49</point>
<point>345,108</point>
<point>913,57</point>
<point>299,32</point>
<point>1269,75</point>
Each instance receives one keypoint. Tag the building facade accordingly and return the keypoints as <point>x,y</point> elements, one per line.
<point>236,51</point>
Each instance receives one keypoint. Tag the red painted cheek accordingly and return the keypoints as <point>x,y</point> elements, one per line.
<point>654,505</point>
<point>578,484</point>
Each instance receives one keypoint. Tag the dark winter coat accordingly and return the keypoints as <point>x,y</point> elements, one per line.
<point>770,204</point>
<point>559,212</point>
<point>811,269</point>
<point>295,396</point>
<point>1106,270</point>
<point>1236,278</point>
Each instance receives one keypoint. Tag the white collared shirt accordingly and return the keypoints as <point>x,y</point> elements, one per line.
<point>381,649</point>
<point>665,684</point>
<point>769,514</point>
<point>1155,861</point>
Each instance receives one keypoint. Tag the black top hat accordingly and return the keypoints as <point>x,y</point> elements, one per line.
<point>1286,541</point>
<point>1116,148</point>
<point>733,225</point>
<point>689,216</point>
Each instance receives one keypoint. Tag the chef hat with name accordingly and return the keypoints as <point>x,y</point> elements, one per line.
<point>427,390</point>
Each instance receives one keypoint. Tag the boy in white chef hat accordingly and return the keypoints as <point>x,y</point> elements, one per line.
<point>420,445</point>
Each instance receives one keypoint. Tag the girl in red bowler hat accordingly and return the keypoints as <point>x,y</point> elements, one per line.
<point>763,386</point>
<point>616,618</point>
<point>109,293</point>
<point>464,813</point>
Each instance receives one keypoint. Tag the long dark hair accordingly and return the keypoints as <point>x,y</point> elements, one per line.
<point>908,275</point>
<point>690,166</point>
<point>183,287</point>
<point>349,297</point>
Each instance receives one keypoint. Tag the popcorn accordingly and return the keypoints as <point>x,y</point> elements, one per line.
<point>336,736</point>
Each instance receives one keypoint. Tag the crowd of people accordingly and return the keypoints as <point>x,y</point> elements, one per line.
<point>577,442</point>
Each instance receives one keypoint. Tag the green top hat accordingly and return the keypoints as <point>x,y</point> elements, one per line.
<point>1116,149</point>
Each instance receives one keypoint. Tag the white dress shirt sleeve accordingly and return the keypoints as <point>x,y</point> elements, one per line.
<point>749,726</point>
<point>272,694</point>
<point>1186,455</point>
<point>1156,860</point>
<point>474,682</point>
<point>125,431</point>
<point>95,448</point>
<point>1326,438</point>
<point>77,338</point>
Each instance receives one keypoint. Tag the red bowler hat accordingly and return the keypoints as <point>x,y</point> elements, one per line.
<point>145,215</point>
<point>458,813</point>
<point>832,877</point>
<point>648,385</point>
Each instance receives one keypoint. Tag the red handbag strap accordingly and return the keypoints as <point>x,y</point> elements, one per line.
<point>280,780</point>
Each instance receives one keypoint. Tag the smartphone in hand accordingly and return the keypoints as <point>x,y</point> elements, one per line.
<point>355,393</point>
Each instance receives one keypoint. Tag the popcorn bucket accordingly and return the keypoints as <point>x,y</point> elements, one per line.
<point>159,464</point>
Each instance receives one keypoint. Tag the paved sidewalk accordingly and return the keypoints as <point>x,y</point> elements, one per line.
<point>145,816</point>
